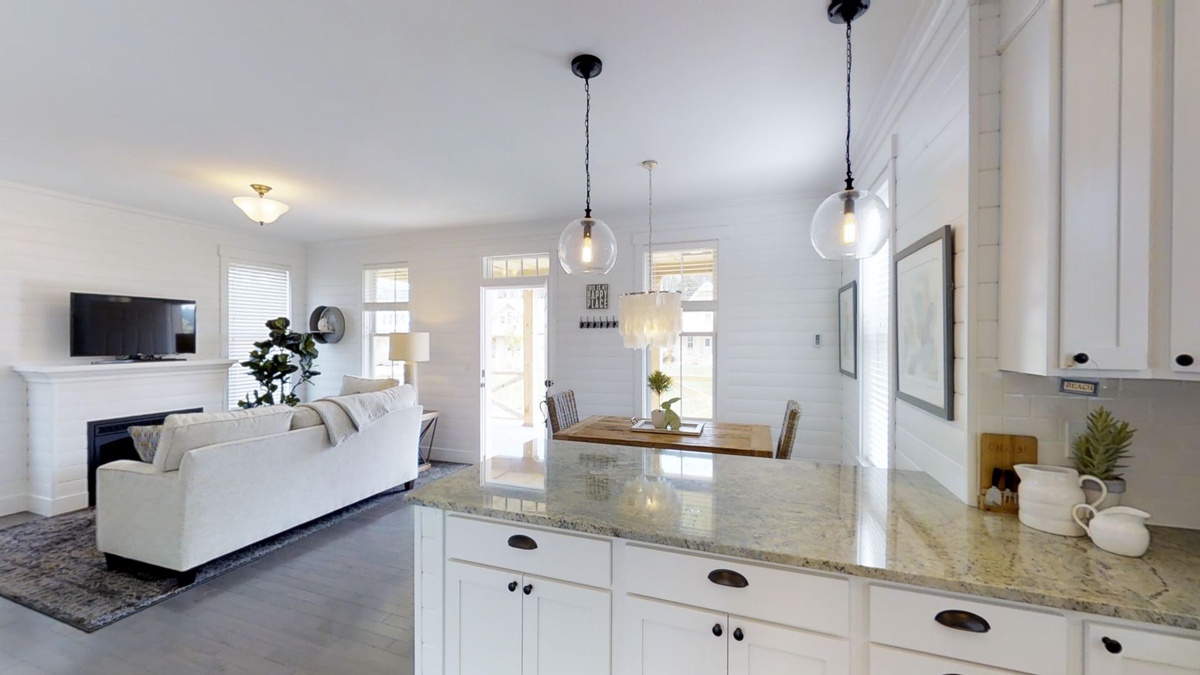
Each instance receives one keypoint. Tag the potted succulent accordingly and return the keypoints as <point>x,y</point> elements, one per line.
<point>1098,451</point>
<point>659,382</point>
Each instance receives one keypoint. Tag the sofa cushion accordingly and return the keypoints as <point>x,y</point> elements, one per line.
<point>145,440</point>
<point>182,433</point>
<point>405,397</point>
<point>303,418</point>
<point>363,385</point>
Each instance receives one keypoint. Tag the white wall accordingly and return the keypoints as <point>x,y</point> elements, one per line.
<point>53,244</point>
<point>773,294</point>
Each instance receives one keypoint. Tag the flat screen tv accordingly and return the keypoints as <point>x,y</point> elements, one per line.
<point>130,327</point>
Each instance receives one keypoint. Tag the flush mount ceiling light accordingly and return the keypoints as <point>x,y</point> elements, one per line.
<point>653,318</point>
<point>260,209</point>
<point>587,245</point>
<point>851,223</point>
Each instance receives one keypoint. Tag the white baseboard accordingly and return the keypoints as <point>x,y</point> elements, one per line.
<point>12,504</point>
<point>45,506</point>
<point>455,455</point>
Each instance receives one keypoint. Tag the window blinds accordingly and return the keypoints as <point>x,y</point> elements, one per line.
<point>255,294</point>
<point>385,287</point>
<point>693,273</point>
<point>875,293</point>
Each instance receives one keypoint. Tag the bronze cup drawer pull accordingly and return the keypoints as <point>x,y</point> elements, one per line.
<point>724,577</point>
<point>522,542</point>
<point>960,619</point>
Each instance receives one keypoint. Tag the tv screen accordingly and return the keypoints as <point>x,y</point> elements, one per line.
<point>120,325</point>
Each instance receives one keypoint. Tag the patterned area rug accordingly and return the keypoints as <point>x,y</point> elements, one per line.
<point>51,565</point>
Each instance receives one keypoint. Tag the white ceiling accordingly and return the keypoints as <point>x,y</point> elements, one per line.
<point>367,116</point>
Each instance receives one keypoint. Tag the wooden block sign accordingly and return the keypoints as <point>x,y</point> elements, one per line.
<point>998,483</point>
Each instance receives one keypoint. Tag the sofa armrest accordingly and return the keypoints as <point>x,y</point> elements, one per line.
<point>138,512</point>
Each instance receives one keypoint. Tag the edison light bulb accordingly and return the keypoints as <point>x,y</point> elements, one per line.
<point>585,254</point>
<point>849,227</point>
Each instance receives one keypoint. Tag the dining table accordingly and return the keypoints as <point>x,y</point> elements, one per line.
<point>724,438</point>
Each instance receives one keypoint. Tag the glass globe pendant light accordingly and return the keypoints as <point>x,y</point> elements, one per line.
<point>851,223</point>
<point>587,245</point>
<point>653,318</point>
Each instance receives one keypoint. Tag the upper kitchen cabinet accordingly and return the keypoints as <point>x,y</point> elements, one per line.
<point>1086,172</point>
<point>1183,354</point>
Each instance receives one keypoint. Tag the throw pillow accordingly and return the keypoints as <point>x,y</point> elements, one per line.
<point>363,385</point>
<point>145,440</point>
<point>182,433</point>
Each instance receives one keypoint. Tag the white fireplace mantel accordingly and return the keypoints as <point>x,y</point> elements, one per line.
<point>64,398</point>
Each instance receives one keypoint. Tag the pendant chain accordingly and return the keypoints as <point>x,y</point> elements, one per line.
<point>587,145</point>
<point>849,63</point>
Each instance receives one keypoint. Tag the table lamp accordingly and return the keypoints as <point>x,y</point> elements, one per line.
<point>411,348</point>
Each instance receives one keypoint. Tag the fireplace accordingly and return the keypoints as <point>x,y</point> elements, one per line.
<point>109,441</point>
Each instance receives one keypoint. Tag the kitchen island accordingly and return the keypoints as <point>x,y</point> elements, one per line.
<point>832,566</point>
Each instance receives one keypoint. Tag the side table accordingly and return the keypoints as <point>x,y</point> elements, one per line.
<point>428,428</point>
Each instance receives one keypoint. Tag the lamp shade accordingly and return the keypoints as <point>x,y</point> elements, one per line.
<point>260,209</point>
<point>652,319</point>
<point>587,246</point>
<point>410,347</point>
<point>850,224</point>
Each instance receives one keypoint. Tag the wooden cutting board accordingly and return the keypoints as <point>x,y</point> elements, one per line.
<point>1002,452</point>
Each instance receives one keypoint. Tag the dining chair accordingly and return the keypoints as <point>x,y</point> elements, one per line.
<point>787,434</point>
<point>561,410</point>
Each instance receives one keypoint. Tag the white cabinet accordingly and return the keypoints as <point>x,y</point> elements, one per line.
<point>500,622</point>
<point>888,661</point>
<point>663,638</point>
<point>1183,353</point>
<point>1110,650</point>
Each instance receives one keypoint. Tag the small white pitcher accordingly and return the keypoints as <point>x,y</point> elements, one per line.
<point>1120,529</point>
<point>1048,494</point>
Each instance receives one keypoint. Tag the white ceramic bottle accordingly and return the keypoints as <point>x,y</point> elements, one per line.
<point>1048,495</point>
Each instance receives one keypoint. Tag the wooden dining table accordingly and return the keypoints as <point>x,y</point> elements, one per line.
<point>750,440</point>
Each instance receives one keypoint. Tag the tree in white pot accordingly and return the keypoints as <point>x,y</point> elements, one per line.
<point>1099,450</point>
<point>659,382</point>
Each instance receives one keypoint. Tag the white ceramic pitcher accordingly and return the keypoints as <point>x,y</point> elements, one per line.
<point>1048,495</point>
<point>1120,529</point>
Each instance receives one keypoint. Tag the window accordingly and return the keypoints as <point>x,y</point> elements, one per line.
<point>254,295</point>
<point>692,363</point>
<point>875,394</point>
<point>385,311</point>
<point>503,267</point>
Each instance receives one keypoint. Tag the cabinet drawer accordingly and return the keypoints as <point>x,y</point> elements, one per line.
<point>555,555</point>
<point>1113,650</point>
<point>797,599</point>
<point>1025,640</point>
<point>888,661</point>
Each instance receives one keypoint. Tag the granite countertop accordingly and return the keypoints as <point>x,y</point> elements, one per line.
<point>899,526</point>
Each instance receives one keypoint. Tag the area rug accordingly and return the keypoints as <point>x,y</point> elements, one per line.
<point>51,565</point>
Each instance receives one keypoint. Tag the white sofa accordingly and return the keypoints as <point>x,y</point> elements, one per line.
<point>229,495</point>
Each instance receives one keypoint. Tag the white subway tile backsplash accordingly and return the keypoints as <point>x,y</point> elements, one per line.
<point>988,259</point>
<point>1016,405</point>
<point>989,183</point>
<point>989,112</point>
<point>989,152</point>
<point>986,227</point>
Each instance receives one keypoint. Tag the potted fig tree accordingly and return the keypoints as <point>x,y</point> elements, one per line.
<point>1099,450</point>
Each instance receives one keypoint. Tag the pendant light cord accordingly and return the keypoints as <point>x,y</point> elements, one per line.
<point>587,145</point>
<point>849,63</point>
<point>650,219</point>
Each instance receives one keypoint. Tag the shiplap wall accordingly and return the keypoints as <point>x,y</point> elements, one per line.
<point>928,116</point>
<point>774,293</point>
<point>53,244</point>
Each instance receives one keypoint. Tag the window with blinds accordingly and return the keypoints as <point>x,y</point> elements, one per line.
<point>254,294</point>
<point>875,374</point>
<point>386,292</point>
<point>503,267</point>
<point>692,362</point>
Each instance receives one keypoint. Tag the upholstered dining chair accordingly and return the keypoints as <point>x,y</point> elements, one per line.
<point>787,434</point>
<point>561,410</point>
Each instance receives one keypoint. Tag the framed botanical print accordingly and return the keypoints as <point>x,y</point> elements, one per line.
<point>924,306</point>
<point>848,329</point>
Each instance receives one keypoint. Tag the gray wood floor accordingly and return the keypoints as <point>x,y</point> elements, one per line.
<point>338,602</point>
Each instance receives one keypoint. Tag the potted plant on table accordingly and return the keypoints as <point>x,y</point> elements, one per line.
<point>1098,451</point>
<point>661,417</point>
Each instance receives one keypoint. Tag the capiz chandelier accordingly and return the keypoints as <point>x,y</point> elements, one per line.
<point>651,318</point>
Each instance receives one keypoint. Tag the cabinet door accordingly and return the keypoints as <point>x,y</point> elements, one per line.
<point>764,649</point>
<point>666,639</point>
<point>483,620</point>
<point>1106,167</point>
<point>567,628</point>
<point>1124,651</point>
<point>1184,355</point>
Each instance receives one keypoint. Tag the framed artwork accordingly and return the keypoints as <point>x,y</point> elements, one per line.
<point>924,306</point>
<point>848,329</point>
<point>597,296</point>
